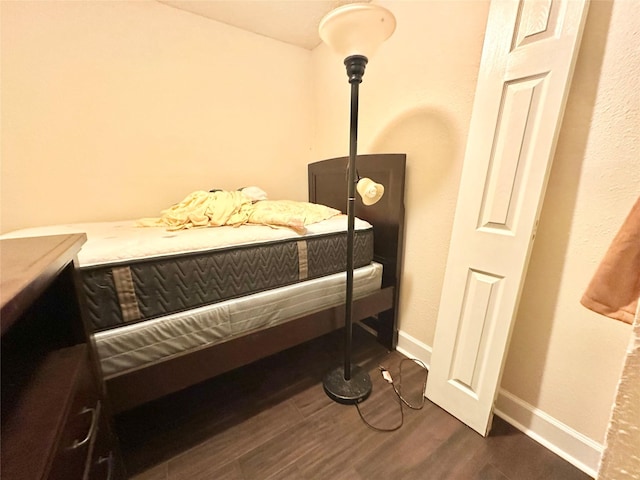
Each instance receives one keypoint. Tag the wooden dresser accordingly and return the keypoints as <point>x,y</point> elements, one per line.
<point>55,423</point>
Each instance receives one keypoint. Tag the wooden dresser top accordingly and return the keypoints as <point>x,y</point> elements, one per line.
<point>27,266</point>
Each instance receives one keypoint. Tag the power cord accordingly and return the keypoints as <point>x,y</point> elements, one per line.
<point>398,391</point>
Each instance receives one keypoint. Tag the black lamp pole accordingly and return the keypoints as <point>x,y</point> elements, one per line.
<point>350,384</point>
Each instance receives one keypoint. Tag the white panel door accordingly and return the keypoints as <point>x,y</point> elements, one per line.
<point>527,61</point>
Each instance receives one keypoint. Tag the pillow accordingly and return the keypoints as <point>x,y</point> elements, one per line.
<point>254,193</point>
<point>289,213</point>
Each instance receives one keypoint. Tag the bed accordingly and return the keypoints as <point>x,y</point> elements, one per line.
<point>165,318</point>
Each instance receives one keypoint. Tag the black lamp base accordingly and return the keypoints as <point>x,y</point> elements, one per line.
<point>355,390</point>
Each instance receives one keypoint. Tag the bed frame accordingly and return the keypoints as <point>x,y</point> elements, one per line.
<point>327,185</point>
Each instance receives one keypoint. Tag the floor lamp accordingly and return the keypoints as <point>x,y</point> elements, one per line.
<point>354,31</point>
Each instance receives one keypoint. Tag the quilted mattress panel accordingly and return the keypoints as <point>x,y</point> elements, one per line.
<point>141,344</point>
<point>141,290</point>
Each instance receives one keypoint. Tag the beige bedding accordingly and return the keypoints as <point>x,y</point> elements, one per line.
<point>214,209</point>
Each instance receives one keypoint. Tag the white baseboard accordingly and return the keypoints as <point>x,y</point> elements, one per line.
<point>577,449</point>
<point>574,447</point>
<point>413,348</point>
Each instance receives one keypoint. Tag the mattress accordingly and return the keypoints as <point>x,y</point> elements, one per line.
<point>133,274</point>
<point>137,345</point>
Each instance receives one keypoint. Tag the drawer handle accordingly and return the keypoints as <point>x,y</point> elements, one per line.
<point>92,427</point>
<point>109,461</point>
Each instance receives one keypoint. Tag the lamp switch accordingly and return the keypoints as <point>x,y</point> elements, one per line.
<point>386,375</point>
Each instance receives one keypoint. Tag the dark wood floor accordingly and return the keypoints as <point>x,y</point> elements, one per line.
<point>272,420</point>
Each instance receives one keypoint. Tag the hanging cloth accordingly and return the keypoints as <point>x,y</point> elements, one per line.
<point>615,287</point>
<point>614,292</point>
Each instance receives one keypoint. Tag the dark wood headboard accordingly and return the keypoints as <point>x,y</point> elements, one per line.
<point>328,186</point>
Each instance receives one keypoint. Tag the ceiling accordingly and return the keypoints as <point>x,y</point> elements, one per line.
<point>291,21</point>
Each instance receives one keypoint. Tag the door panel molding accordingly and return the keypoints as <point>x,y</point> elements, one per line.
<point>525,72</point>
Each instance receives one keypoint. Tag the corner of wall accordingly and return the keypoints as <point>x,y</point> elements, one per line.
<point>569,444</point>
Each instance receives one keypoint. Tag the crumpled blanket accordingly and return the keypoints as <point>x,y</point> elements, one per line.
<point>204,209</point>
<point>215,209</point>
<point>615,287</point>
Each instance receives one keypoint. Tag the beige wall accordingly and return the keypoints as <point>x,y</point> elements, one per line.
<point>416,97</point>
<point>118,109</point>
<point>114,110</point>
<point>565,359</point>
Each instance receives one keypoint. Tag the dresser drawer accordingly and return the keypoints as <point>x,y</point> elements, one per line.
<point>103,464</point>
<point>80,430</point>
<point>49,393</point>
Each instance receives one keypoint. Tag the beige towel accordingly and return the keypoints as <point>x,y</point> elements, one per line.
<point>614,292</point>
<point>615,287</point>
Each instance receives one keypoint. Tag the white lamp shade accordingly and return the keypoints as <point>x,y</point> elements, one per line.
<point>357,28</point>
<point>369,190</point>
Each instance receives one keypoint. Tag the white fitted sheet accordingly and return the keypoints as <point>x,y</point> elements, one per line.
<point>134,346</point>
<point>119,242</point>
